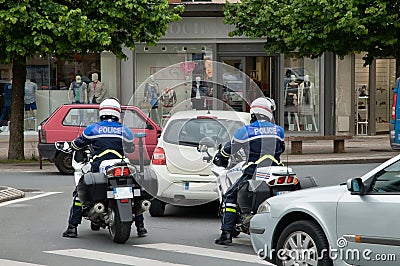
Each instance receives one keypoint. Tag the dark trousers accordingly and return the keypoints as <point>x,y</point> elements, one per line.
<point>229,204</point>
<point>76,213</point>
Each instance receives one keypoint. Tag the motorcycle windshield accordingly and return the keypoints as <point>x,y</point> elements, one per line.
<point>182,139</point>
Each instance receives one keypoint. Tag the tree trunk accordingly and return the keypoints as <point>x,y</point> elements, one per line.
<point>16,142</point>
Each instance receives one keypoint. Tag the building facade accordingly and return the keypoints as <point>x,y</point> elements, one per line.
<point>323,96</point>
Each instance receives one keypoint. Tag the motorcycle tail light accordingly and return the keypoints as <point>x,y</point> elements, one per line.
<point>281,180</point>
<point>126,171</point>
<point>117,172</point>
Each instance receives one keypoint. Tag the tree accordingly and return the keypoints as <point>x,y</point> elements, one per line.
<point>312,27</point>
<point>66,27</point>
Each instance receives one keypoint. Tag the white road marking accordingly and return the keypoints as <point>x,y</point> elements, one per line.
<point>28,198</point>
<point>110,257</point>
<point>16,263</point>
<point>214,253</point>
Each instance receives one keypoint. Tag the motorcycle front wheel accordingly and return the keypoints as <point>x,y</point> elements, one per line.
<point>119,231</point>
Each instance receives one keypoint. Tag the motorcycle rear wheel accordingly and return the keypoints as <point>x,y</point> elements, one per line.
<point>119,231</point>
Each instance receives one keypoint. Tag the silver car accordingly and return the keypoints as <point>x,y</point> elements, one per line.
<point>350,224</point>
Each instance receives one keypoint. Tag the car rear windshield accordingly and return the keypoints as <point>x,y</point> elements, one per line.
<point>190,132</point>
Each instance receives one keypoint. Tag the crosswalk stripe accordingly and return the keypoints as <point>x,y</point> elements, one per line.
<point>111,257</point>
<point>28,198</point>
<point>16,263</point>
<point>214,253</point>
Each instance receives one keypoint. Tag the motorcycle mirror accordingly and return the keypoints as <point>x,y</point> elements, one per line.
<point>208,142</point>
<point>202,148</point>
<point>66,145</point>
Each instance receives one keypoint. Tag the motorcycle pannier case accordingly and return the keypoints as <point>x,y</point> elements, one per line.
<point>250,195</point>
<point>92,187</point>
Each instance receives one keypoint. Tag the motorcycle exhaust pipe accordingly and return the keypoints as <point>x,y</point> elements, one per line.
<point>144,205</point>
<point>96,211</point>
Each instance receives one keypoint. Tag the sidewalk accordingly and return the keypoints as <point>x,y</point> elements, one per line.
<point>359,149</point>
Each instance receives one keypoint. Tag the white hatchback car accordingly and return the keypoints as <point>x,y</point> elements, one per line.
<point>183,173</point>
<point>350,224</point>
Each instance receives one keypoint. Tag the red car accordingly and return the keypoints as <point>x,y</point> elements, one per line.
<point>69,120</point>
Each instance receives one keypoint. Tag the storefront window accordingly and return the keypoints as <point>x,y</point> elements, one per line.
<point>170,74</point>
<point>45,70</point>
<point>385,78</point>
<point>301,94</point>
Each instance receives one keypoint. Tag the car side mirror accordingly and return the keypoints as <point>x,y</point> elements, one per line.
<point>355,186</point>
<point>149,126</point>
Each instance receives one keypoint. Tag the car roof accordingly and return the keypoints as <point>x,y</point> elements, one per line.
<point>218,114</point>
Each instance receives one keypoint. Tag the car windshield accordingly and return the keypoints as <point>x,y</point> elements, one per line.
<point>190,132</point>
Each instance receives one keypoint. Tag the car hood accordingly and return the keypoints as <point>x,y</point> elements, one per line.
<point>305,199</point>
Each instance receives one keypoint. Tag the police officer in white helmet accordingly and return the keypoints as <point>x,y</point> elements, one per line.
<point>258,140</point>
<point>109,138</point>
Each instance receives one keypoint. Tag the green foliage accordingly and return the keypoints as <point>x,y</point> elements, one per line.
<point>311,27</point>
<point>66,27</point>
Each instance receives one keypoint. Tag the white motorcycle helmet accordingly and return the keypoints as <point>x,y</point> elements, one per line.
<point>110,108</point>
<point>263,107</point>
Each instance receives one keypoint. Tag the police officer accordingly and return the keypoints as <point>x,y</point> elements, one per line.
<point>263,143</point>
<point>108,139</point>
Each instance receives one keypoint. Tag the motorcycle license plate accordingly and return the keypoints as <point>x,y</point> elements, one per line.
<point>281,192</point>
<point>123,193</point>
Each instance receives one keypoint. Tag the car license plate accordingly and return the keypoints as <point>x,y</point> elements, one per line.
<point>281,192</point>
<point>123,193</point>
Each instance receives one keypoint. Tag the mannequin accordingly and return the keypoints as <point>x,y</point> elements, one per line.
<point>291,102</point>
<point>7,94</point>
<point>96,90</point>
<point>151,92</point>
<point>30,103</point>
<point>78,90</point>
<point>306,102</point>
<point>151,96</point>
<point>168,99</point>
<point>198,94</point>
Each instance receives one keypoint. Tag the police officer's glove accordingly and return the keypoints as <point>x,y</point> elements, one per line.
<point>220,160</point>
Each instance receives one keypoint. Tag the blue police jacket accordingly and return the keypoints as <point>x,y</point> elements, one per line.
<point>257,139</point>
<point>106,138</point>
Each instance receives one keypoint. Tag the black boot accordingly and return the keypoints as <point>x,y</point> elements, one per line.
<point>71,231</point>
<point>224,239</point>
<point>141,231</point>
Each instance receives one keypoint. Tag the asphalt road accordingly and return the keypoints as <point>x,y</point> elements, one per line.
<point>32,228</point>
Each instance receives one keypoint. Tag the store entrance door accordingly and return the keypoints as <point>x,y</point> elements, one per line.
<point>239,89</point>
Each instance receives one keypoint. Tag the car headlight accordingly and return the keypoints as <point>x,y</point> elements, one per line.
<point>264,207</point>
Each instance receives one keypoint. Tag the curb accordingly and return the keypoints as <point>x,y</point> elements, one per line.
<point>336,161</point>
<point>7,193</point>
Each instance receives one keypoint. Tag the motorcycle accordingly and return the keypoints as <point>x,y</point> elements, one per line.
<point>267,182</point>
<point>111,198</point>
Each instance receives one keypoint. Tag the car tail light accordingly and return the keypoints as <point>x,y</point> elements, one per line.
<point>272,182</point>
<point>394,106</point>
<point>158,157</point>
<point>290,179</point>
<point>206,117</point>
<point>42,136</point>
